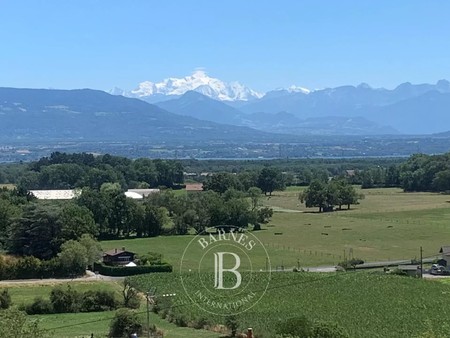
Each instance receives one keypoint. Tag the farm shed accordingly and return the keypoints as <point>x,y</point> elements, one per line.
<point>445,253</point>
<point>410,270</point>
<point>144,192</point>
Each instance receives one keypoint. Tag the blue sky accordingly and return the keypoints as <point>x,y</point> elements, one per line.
<point>262,44</point>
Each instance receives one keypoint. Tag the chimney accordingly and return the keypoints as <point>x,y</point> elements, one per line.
<point>249,332</point>
<point>115,250</point>
<point>123,248</point>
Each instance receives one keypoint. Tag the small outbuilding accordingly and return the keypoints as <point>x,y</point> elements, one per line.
<point>445,254</point>
<point>410,270</point>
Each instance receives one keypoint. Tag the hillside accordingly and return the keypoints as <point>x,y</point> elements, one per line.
<point>85,114</point>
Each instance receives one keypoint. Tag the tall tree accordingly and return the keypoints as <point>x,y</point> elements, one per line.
<point>270,179</point>
<point>75,221</point>
<point>314,195</point>
<point>36,233</point>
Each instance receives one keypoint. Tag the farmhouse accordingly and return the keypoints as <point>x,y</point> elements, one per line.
<point>118,257</point>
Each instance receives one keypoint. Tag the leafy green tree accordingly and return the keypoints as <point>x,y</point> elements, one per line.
<point>134,219</point>
<point>169,173</point>
<point>155,219</point>
<point>77,220</point>
<point>255,197</point>
<point>8,211</point>
<point>125,323</point>
<point>100,206</point>
<point>314,195</point>
<point>131,297</point>
<point>15,324</point>
<point>93,249</point>
<point>73,257</point>
<point>248,179</point>
<point>221,182</point>
<point>441,181</point>
<point>347,194</point>
<point>37,233</point>
<point>270,179</point>
<point>65,300</point>
<point>60,176</point>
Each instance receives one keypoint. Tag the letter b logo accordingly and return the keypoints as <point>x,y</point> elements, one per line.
<point>219,270</point>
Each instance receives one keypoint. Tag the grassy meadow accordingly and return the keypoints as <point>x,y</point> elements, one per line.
<point>388,224</point>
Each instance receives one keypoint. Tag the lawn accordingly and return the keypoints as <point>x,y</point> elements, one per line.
<point>387,224</point>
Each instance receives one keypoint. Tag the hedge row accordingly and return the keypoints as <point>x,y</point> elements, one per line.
<point>30,267</point>
<point>120,271</point>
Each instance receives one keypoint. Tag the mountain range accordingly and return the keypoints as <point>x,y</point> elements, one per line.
<point>344,110</point>
<point>45,114</point>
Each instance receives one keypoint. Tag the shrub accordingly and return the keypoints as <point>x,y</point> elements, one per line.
<point>200,323</point>
<point>264,214</point>
<point>303,327</point>
<point>125,323</point>
<point>131,298</point>
<point>232,324</point>
<point>328,330</point>
<point>94,301</point>
<point>40,306</point>
<point>296,326</point>
<point>5,299</point>
<point>15,323</point>
<point>65,301</point>
<point>151,258</point>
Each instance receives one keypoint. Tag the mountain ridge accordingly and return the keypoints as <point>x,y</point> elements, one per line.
<point>86,114</point>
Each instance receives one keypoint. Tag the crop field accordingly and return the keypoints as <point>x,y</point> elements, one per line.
<point>365,304</point>
<point>71,325</point>
<point>387,225</point>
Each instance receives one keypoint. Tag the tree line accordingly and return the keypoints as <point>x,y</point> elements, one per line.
<point>78,170</point>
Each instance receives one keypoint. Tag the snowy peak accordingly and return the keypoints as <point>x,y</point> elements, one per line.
<point>297,89</point>
<point>199,81</point>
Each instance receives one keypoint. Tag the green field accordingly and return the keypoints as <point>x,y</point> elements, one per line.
<point>387,225</point>
<point>70,325</point>
<point>365,304</point>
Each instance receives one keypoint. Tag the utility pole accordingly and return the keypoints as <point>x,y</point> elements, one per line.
<point>150,298</point>
<point>148,314</point>
<point>151,295</point>
<point>421,262</point>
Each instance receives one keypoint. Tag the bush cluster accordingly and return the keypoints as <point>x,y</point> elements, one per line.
<point>72,301</point>
<point>302,326</point>
<point>30,267</point>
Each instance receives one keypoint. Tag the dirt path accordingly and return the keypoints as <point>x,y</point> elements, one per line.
<point>89,277</point>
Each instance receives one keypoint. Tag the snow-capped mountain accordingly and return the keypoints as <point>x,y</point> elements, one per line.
<point>199,81</point>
